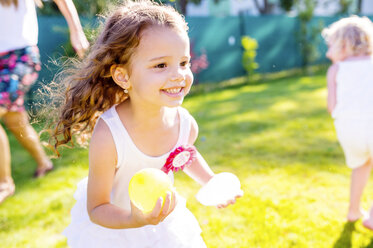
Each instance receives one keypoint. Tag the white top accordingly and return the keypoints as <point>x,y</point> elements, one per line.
<point>18,26</point>
<point>131,159</point>
<point>354,89</point>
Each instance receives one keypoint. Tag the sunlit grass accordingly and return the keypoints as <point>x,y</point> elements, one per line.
<point>276,136</point>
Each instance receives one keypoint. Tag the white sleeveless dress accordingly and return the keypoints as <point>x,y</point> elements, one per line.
<point>353,113</point>
<point>179,230</point>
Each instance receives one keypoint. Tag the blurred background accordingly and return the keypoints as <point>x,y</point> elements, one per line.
<point>261,109</point>
<point>287,33</point>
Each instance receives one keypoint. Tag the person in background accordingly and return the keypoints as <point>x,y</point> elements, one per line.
<point>19,66</point>
<point>350,99</point>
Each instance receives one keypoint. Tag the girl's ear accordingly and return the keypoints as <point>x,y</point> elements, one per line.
<point>120,76</point>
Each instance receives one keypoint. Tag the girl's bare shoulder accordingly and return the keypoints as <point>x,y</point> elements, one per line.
<point>332,71</point>
<point>102,142</point>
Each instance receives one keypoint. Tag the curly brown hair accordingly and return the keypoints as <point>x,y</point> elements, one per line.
<point>89,88</point>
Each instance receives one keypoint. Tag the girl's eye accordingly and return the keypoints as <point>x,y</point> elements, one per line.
<point>185,63</point>
<point>162,65</point>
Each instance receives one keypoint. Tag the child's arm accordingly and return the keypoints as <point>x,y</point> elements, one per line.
<point>332,87</point>
<point>200,171</point>
<point>102,161</point>
<point>77,36</point>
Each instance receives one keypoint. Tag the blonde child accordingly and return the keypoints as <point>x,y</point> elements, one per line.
<point>135,78</point>
<point>350,99</point>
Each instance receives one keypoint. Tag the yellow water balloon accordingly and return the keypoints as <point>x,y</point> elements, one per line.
<point>147,186</point>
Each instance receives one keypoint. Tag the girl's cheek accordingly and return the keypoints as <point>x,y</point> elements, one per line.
<point>190,77</point>
<point>329,55</point>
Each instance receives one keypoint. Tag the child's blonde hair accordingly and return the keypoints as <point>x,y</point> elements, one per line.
<point>89,87</point>
<point>353,34</point>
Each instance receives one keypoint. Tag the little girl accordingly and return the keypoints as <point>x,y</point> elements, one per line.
<point>136,76</point>
<point>350,99</point>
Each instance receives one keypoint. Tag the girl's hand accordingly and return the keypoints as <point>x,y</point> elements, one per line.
<point>221,190</point>
<point>158,214</point>
<point>231,201</point>
<point>79,43</point>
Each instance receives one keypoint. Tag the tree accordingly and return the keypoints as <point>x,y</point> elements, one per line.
<point>286,4</point>
<point>84,7</point>
<point>266,8</point>
<point>345,6</point>
<point>359,3</point>
<point>181,5</point>
<point>307,34</point>
<point>93,7</point>
<point>250,46</point>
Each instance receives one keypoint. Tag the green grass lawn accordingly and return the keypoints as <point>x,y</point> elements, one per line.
<point>276,136</point>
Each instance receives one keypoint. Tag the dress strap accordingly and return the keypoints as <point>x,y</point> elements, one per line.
<point>116,128</point>
<point>185,126</point>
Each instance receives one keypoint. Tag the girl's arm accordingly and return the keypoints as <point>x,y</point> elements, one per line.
<point>102,161</point>
<point>332,87</point>
<point>199,169</point>
<point>77,37</point>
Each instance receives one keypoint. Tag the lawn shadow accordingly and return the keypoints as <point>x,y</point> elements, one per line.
<point>23,165</point>
<point>344,239</point>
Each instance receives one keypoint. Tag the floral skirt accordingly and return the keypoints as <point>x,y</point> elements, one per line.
<point>18,72</point>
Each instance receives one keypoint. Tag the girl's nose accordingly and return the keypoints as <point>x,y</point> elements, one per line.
<point>177,75</point>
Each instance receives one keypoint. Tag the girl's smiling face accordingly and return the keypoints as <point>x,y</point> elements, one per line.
<point>160,72</point>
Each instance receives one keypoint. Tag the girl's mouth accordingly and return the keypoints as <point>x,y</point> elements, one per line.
<point>173,91</point>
